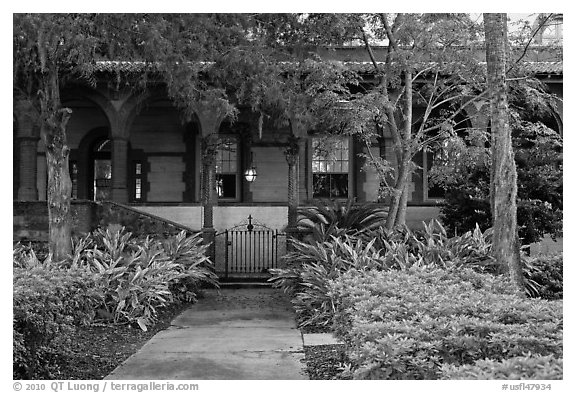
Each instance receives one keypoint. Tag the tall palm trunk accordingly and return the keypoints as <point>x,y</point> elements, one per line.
<point>503,187</point>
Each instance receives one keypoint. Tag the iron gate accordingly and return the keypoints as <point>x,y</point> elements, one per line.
<point>251,250</point>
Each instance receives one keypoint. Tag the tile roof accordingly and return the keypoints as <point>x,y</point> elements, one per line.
<point>540,67</point>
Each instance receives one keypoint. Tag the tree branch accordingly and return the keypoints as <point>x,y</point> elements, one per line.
<point>540,26</point>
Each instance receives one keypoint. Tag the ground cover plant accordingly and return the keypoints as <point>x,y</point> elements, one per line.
<point>429,323</point>
<point>111,278</point>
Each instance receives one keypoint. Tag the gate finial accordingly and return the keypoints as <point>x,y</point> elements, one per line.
<point>250,226</point>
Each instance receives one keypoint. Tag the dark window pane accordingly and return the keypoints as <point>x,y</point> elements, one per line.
<point>330,185</point>
<point>321,185</point>
<point>339,186</point>
<point>226,186</point>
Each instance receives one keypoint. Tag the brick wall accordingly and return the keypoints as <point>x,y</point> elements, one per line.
<point>137,222</point>
<point>30,220</point>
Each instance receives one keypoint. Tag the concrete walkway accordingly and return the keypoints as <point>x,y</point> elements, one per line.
<point>240,334</point>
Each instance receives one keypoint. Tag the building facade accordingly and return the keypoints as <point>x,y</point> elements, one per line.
<point>135,150</point>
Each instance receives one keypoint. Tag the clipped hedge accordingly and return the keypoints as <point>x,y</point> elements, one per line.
<point>47,305</point>
<point>525,367</point>
<point>408,324</point>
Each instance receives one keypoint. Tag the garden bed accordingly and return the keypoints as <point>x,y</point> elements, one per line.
<point>325,362</point>
<point>98,349</point>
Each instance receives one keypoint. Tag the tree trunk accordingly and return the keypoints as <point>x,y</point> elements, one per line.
<point>403,146</point>
<point>59,184</point>
<point>505,244</point>
<point>407,148</point>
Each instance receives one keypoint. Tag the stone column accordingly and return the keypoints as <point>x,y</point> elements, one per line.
<point>28,168</point>
<point>210,118</point>
<point>209,197</point>
<point>119,169</point>
<point>293,159</point>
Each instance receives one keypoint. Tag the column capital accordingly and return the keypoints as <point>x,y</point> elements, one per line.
<point>211,114</point>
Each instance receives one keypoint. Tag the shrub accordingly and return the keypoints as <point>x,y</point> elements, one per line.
<point>466,179</point>
<point>312,266</point>
<point>111,275</point>
<point>407,324</point>
<point>403,248</point>
<point>47,305</point>
<point>139,276</point>
<point>522,367</point>
<point>546,275</point>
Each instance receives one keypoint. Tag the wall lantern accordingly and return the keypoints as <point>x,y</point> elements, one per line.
<point>250,173</point>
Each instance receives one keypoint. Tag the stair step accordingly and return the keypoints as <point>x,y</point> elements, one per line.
<point>244,285</point>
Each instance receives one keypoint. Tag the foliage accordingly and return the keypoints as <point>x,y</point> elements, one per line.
<point>422,76</point>
<point>136,276</point>
<point>521,367</point>
<point>545,273</point>
<point>404,248</point>
<point>139,276</point>
<point>332,218</point>
<point>50,53</point>
<point>111,276</point>
<point>464,171</point>
<point>48,303</point>
<point>312,266</point>
<point>407,324</point>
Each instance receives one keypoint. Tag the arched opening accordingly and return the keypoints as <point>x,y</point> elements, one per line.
<point>101,165</point>
<point>95,145</point>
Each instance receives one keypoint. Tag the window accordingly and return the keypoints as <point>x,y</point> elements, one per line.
<point>330,167</point>
<point>74,178</point>
<point>138,181</point>
<point>227,168</point>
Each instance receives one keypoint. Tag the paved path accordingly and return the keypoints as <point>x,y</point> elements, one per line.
<point>241,334</point>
